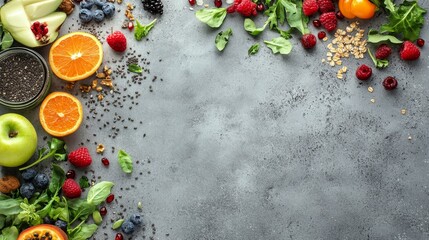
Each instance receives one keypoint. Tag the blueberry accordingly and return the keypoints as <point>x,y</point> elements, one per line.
<point>100,3</point>
<point>85,15</point>
<point>98,15</point>
<point>27,190</point>
<point>48,220</point>
<point>136,219</point>
<point>109,9</point>
<point>87,4</point>
<point>28,174</point>
<point>41,181</point>
<point>61,224</point>
<point>127,227</point>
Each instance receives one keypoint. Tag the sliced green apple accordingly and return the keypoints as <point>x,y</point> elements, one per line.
<point>41,8</point>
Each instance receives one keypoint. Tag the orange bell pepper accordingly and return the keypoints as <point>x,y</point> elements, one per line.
<point>363,9</point>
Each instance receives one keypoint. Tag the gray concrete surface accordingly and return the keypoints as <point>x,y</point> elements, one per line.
<point>261,147</point>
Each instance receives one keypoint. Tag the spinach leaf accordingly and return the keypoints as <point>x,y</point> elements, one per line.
<point>10,206</point>
<point>80,209</point>
<point>84,182</point>
<point>379,63</point>
<point>295,17</point>
<point>406,20</point>
<point>10,233</point>
<point>58,177</point>
<point>279,45</point>
<point>222,39</point>
<point>142,30</point>
<point>99,192</point>
<point>135,68</point>
<point>84,232</point>
<point>125,161</point>
<point>213,17</point>
<point>375,37</point>
<point>253,49</point>
<point>7,40</point>
<point>250,27</point>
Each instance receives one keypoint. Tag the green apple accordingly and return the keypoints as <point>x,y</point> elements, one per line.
<point>18,140</point>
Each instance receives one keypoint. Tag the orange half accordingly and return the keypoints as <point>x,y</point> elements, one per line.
<point>75,56</point>
<point>60,114</point>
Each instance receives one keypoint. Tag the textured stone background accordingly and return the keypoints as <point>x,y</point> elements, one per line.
<point>262,147</point>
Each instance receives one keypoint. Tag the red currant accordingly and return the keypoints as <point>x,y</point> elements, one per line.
<point>191,2</point>
<point>317,23</point>
<point>105,161</point>
<point>260,7</point>
<point>420,42</point>
<point>218,3</point>
<point>119,236</point>
<point>130,26</point>
<point>339,15</point>
<point>103,211</point>
<point>321,35</point>
<point>71,174</point>
<point>110,198</point>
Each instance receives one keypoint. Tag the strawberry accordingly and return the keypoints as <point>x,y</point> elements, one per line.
<point>409,51</point>
<point>117,41</point>
<point>383,51</point>
<point>80,157</point>
<point>326,6</point>
<point>71,189</point>
<point>310,7</point>
<point>329,21</point>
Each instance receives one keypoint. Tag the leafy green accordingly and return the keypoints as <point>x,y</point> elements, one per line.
<point>99,192</point>
<point>28,213</point>
<point>83,232</point>
<point>253,49</point>
<point>10,233</point>
<point>379,63</point>
<point>222,39</point>
<point>6,40</point>
<point>213,17</point>
<point>117,224</point>
<point>142,30</point>
<point>57,150</point>
<point>375,37</point>
<point>10,206</point>
<point>279,45</point>
<point>406,20</point>
<point>57,178</point>
<point>80,209</point>
<point>135,68</point>
<point>125,161</point>
<point>84,182</point>
<point>250,27</point>
<point>295,17</point>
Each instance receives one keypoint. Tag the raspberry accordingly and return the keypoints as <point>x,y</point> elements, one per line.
<point>363,72</point>
<point>117,41</point>
<point>310,7</point>
<point>383,51</point>
<point>329,21</point>
<point>326,6</point>
<point>247,8</point>
<point>390,83</point>
<point>71,189</point>
<point>321,35</point>
<point>409,51</point>
<point>308,41</point>
<point>80,157</point>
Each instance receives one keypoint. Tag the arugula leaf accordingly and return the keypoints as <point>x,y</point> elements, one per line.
<point>142,30</point>
<point>250,27</point>
<point>213,17</point>
<point>125,161</point>
<point>222,39</point>
<point>253,49</point>
<point>279,45</point>
<point>379,63</point>
<point>84,232</point>
<point>57,150</point>
<point>295,17</point>
<point>99,192</point>
<point>406,20</point>
<point>271,12</point>
<point>285,34</point>
<point>84,182</point>
<point>58,177</point>
<point>28,214</point>
<point>135,68</point>
<point>375,37</point>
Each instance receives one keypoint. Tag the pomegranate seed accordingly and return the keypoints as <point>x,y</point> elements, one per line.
<point>260,7</point>
<point>70,174</point>
<point>420,42</point>
<point>110,198</point>
<point>105,161</point>
<point>191,2</point>
<point>130,26</point>
<point>317,23</point>
<point>339,15</point>
<point>103,211</point>
<point>390,83</point>
<point>119,236</point>
<point>321,35</point>
<point>218,3</point>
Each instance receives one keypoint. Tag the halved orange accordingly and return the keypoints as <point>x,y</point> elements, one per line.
<point>75,56</point>
<point>60,114</point>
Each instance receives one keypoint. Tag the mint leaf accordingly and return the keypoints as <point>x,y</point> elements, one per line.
<point>213,17</point>
<point>222,39</point>
<point>375,37</point>
<point>279,45</point>
<point>135,68</point>
<point>142,30</point>
<point>253,49</point>
<point>125,161</point>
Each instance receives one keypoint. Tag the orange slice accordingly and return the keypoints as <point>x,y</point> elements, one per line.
<point>60,114</point>
<point>75,56</point>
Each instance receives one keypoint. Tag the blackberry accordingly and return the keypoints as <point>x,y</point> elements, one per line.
<point>153,6</point>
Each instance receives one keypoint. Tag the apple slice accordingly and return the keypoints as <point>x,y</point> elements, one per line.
<point>41,8</point>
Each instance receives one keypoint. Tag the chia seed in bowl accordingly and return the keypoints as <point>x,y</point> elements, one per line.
<point>24,78</point>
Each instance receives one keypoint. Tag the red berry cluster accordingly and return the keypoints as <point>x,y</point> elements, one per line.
<point>246,8</point>
<point>328,17</point>
<point>39,30</point>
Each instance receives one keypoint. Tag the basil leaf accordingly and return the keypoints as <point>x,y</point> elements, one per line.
<point>250,27</point>
<point>84,182</point>
<point>99,192</point>
<point>142,30</point>
<point>253,49</point>
<point>135,68</point>
<point>125,161</point>
<point>222,39</point>
<point>84,232</point>
<point>379,63</point>
<point>58,177</point>
<point>279,45</point>
<point>79,208</point>
<point>6,41</point>
<point>375,37</point>
<point>406,20</point>
<point>213,17</point>
<point>10,206</point>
